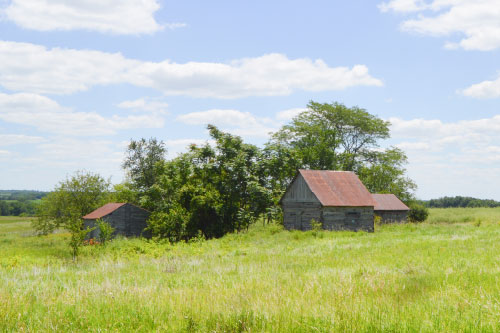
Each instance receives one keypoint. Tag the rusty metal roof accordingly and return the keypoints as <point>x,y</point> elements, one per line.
<point>388,202</point>
<point>338,188</point>
<point>103,211</point>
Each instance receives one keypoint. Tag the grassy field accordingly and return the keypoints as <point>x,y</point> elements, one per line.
<point>437,276</point>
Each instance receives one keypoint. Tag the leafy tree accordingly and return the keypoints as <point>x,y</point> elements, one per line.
<point>72,198</point>
<point>384,172</point>
<point>173,225</point>
<point>212,190</point>
<point>125,192</point>
<point>332,136</point>
<point>140,160</point>
<point>335,137</point>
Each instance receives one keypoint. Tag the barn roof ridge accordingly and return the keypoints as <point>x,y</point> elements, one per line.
<point>337,188</point>
<point>104,210</point>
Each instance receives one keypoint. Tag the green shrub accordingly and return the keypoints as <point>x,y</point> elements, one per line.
<point>173,226</point>
<point>418,213</point>
<point>78,234</point>
<point>105,231</point>
<point>316,225</point>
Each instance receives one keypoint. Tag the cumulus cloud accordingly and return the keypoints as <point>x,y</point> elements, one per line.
<point>289,114</point>
<point>478,21</point>
<point>131,17</point>
<point>485,89</point>
<point>47,115</point>
<point>464,140</point>
<point>478,129</point>
<point>268,75</point>
<point>451,158</point>
<point>145,104</point>
<point>233,121</point>
<point>33,68</point>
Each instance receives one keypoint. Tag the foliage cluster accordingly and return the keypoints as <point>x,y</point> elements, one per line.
<point>212,190</point>
<point>71,199</point>
<point>418,213</point>
<point>18,208</point>
<point>105,232</point>
<point>458,201</point>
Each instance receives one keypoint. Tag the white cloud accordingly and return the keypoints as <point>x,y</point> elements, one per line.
<point>47,115</point>
<point>16,139</point>
<point>403,6</point>
<point>478,21</point>
<point>233,121</point>
<point>289,114</point>
<point>4,153</point>
<point>145,104</point>
<point>485,89</point>
<point>268,75</point>
<point>131,17</point>
<point>467,131</point>
<point>33,68</point>
<point>451,158</point>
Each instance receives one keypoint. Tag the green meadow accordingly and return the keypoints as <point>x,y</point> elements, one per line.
<point>441,275</point>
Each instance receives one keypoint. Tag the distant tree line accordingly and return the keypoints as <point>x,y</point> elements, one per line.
<point>19,202</point>
<point>458,201</point>
<point>17,208</point>
<point>226,185</point>
<point>21,195</point>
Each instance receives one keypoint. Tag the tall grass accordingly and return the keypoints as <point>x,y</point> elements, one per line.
<point>427,277</point>
<point>464,215</point>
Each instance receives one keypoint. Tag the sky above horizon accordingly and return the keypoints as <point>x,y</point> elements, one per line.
<point>79,79</point>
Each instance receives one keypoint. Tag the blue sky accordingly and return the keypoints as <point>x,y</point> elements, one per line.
<point>78,80</point>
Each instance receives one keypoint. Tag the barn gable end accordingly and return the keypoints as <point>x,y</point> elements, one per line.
<point>128,220</point>
<point>336,199</point>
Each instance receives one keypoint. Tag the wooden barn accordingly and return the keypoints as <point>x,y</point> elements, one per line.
<point>127,219</point>
<point>337,199</point>
<point>390,208</point>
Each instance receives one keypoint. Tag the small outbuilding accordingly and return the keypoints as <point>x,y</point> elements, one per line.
<point>336,199</point>
<point>127,219</point>
<point>390,208</point>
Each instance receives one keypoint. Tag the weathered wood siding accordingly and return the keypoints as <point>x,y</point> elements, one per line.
<point>298,191</point>
<point>392,216</point>
<point>300,206</point>
<point>348,218</point>
<point>128,220</point>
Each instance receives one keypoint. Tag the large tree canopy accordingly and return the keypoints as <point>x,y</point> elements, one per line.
<point>336,137</point>
<point>71,199</point>
<point>210,190</point>
<point>141,158</point>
